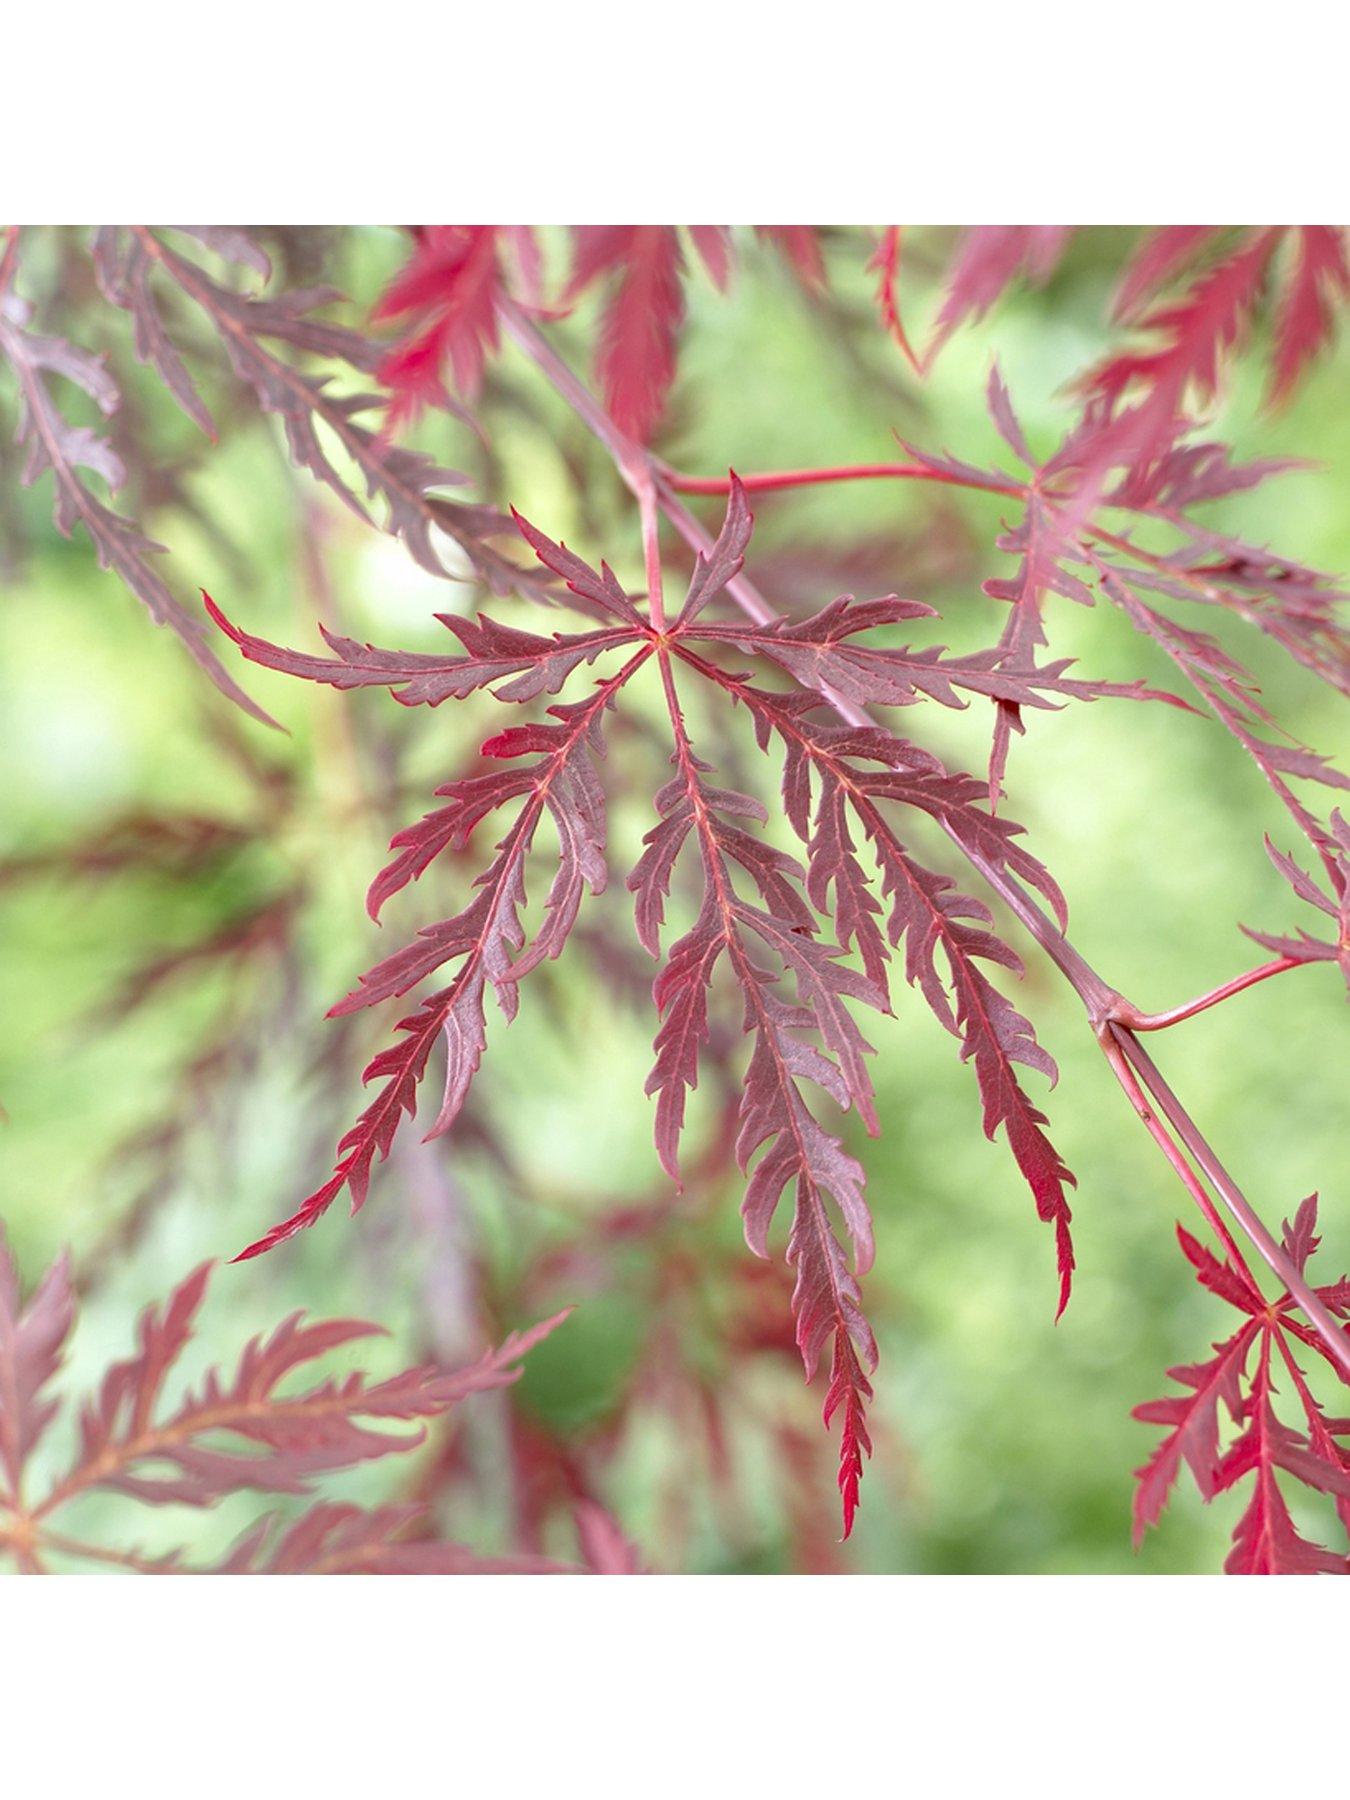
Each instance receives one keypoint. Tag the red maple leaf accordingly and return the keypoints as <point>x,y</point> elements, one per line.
<point>1138,398</point>
<point>643,268</point>
<point>447,293</point>
<point>252,1429</point>
<point>1266,1540</point>
<point>797,992</point>
<point>1064,549</point>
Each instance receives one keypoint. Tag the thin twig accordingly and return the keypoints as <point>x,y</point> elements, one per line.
<point>1157,1130</point>
<point>1140,1021</point>
<point>772,480</point>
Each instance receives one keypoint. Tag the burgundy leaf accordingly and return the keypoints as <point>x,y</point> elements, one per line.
<point>270,1425</point>
<point>1159,256</point>
<point>799,245</point>
<point>1319,283</point>
<point>1195,332</point>
<point>493,653</point>
<point>67,452</point>
<point>349,1540</point>
<point>636,361</point>
<point>447,295</point>
<point>32,1339</point>
<point>249,328</point>
<point>990,257</point>
<point>1265,1540</point>
<point>885,263</point>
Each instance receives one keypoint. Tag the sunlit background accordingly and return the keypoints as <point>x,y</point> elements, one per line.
<point>182,900</point>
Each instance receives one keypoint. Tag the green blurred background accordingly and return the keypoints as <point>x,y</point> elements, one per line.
<point>1004,1442</point>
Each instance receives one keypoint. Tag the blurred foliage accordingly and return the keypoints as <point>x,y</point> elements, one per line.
<point>1004,1442</point>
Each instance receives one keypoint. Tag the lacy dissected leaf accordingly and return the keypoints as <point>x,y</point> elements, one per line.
<point>1318,284</point>
<point>1065,552</point>
<point>1141,396</point>
<point>1195,472</point>
<point>643,267</point>
<point>926,912</point>
<point>1298,608</point>
<point>32,1339</point>
<point>487,937</point>
<point>1038,575</point>
<point>68,453</point>
<point>818,653</point>
<point>988,260</point>
<point>269,1425</point>
<point>123,269</point>
<point>1315,282</point>
<point>352,1540</point>
<point>799,246</point>
<point>755,918</point>
<point>1229,692</point>
<point>449,292</point>
<point>494,653</point>
<point>1159,255</point>
<point>446,294</point>
<point>777,1126</point>
<point>128,1437</point>
<point>250,327</point>
<point>599,593</point>
<point>1266,1540</point>
<point>1334,905</point>
<point>885,264</point>
<point>1240,1383</point>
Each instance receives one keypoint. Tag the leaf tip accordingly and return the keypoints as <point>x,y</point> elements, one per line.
<point>218,619</point>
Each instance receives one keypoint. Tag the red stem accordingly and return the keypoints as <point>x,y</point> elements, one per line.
<point>1318,1315</point>
<point>773,479</point>
<point>1125,1075</point>
<point>651,549</point>
<point>1137,1021</point>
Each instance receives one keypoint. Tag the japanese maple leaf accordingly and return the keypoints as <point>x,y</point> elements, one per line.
<point>988,259</point>
<point>643,268</point>
<point>1066,551</point>
<point>1334,905</point>
<point>1241,1382</point>
<point>446,295</point>
<point>759,918</point>
<point>251,1429</point>
<point>1143,393</point>
<point>261,335</point>
<point>70,454</point>
<point>1314,282</point>
<point>1139,398</point>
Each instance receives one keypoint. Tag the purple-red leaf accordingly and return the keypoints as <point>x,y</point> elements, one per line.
<point>1265,1540</point>
<point>270,1425</point>
<point>447,294</point>
<point>32,1339</point>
